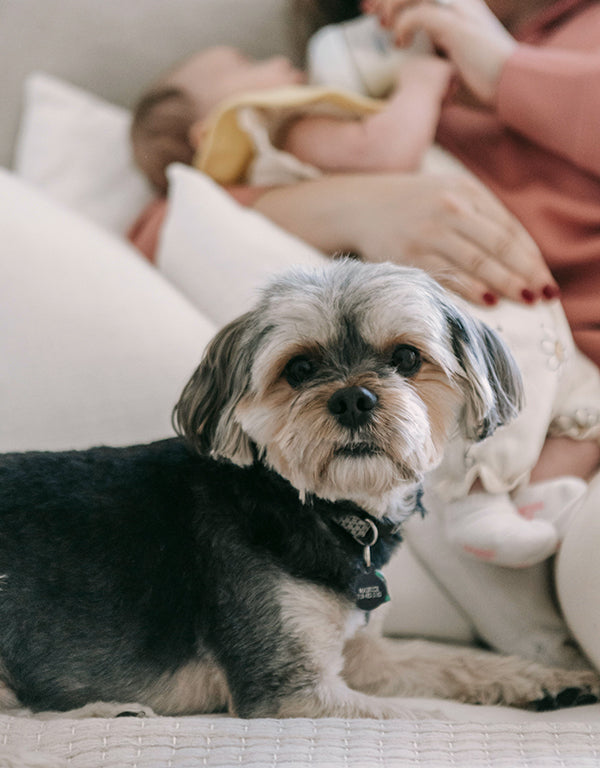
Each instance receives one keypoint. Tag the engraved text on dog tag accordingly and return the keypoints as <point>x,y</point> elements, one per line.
<point>370,589</point>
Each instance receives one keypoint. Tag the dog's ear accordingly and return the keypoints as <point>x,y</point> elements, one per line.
<point>205,413</point>
<point>489,376</point>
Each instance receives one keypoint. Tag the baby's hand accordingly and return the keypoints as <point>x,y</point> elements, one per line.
<point>426,71</point>
<point>467,31</point>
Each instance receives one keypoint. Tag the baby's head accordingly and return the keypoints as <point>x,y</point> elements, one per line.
<point>167,122</point>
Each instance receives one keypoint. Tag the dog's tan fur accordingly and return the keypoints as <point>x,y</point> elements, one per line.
<point>242,407</point>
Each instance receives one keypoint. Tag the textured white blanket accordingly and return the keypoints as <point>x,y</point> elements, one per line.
<point>223,742</point>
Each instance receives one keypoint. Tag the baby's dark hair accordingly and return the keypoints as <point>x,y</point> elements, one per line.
<point>160,132</point>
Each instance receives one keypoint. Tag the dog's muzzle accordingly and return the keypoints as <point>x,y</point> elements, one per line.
<point>352,406</point>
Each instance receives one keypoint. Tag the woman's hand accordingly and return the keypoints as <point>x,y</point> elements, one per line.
<point>458,232</point>
<point>448,225</point>
<point>465,30</point>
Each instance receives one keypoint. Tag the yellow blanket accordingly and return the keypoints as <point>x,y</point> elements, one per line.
<point>227,150</point>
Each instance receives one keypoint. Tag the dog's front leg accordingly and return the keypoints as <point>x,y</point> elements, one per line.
<point>418,668</point>
<point>332,697</point>
<point>294,668</point>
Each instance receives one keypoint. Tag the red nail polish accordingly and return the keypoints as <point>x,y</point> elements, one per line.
<point>551,291</point>
<point>528,296</point>
<point>490,299</point>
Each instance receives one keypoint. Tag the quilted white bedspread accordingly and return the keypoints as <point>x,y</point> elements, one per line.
<point>224,742</point>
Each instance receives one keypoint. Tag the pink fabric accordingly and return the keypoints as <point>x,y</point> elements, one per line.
<point>540,152</point>
<point>146,229</point>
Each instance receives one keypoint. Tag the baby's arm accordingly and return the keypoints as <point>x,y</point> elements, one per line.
<point>394,139</point>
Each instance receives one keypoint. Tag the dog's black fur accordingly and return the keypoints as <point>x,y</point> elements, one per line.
<point>205,575</point>
<point>123,564</point>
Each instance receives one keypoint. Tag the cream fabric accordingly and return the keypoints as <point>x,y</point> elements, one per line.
<point>95,345</point>
<point>75,147</point>
<point>578,575</point>
<point>217,252</point>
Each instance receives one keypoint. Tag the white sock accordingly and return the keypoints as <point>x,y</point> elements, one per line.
<point>555,501</point>
<point>488,527</point>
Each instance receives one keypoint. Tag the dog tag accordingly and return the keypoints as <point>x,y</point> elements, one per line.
<point>370,589</point>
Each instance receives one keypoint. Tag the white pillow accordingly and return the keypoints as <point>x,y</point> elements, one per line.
<point>578,575</point>
<point>75,146</point>
<point>95,346</point>
<point>218,252</point>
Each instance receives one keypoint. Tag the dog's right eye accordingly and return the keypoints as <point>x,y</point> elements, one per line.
<point>406,359</point>
<point>298,370</point>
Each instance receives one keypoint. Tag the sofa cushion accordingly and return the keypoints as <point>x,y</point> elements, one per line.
<point>95,346</point>
<point>75,146</point>
<point>217,252</point>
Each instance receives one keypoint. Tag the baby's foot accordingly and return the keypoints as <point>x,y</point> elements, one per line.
<point>487,526</point>
<point>555,501</point>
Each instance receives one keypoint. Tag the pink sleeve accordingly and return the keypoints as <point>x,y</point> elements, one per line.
<point>145,231</point>
<point>247,196</point>
<point>552,97</point>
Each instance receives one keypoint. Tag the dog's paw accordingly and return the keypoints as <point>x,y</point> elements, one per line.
<point>107,709</point>
<point>568,697</point>
<point>566,688</point>
<point>519,683</point>
<point>110,709</point>
<point>133,713</point>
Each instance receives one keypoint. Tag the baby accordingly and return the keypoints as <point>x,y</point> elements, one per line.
<point>243,121</point>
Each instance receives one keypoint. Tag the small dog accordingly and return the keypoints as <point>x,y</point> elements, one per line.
<point>235,569</point>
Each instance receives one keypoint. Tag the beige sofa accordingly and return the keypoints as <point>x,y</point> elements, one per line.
<point>95,346</point>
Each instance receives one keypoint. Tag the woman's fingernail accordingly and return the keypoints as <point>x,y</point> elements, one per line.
<point>490,299</point>
<point>551,291</point>
<point>528,296</point>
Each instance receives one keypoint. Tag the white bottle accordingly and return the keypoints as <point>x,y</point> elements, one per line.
<point>359,56</point>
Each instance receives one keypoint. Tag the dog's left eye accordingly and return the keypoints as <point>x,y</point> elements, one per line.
<point>298,370</point>
<point>406,359</point>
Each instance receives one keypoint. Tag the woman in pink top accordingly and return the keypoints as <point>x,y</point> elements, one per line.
<point>532,132</point>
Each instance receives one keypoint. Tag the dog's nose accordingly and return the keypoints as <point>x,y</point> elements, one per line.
<point>352,406</point>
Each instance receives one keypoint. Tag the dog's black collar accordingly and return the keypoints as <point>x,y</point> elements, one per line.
<point>361,527</point>
<point>359,524</point>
